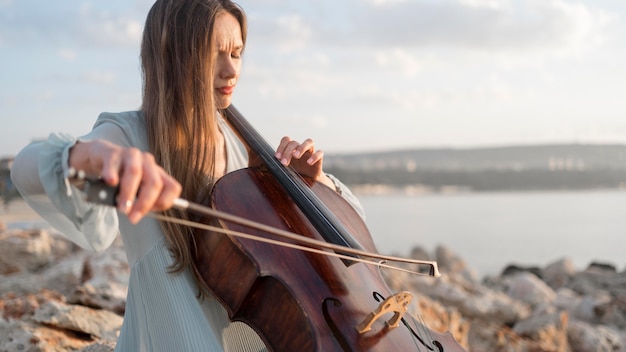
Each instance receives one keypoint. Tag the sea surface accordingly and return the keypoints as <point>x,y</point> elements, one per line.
<point>491,230</point>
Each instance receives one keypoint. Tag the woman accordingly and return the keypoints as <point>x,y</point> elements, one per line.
<point>177,145</point>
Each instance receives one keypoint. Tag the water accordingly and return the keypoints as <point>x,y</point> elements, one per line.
<point>28,225</point>
<point>492,230</point>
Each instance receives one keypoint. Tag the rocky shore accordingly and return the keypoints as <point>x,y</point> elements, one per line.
<point>55,296</point>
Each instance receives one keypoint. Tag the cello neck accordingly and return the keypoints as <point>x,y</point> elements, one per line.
<point>324,221</point>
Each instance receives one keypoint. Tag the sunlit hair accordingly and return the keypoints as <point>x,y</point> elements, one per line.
<point>178,59</point>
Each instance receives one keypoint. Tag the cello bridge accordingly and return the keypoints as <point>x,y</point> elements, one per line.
<point>398,304</point>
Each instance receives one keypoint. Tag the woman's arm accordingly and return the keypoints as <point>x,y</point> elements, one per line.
<point>40,172</point>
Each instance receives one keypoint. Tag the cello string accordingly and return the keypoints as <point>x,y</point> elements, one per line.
<point>414,320</point>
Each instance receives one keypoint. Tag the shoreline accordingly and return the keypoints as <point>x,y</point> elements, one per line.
<point>21,216</point>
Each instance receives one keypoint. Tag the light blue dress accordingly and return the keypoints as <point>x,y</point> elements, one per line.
<point>163,312</point>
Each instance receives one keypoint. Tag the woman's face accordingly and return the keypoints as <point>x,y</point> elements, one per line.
<point>229,45</point>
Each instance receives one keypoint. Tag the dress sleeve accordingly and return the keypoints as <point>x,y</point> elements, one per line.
<point>348,195</point>
<point>40,173</point>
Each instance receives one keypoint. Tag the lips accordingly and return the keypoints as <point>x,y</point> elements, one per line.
<point>228,90</point>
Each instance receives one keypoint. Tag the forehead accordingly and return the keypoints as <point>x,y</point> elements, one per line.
<point>227,31</point>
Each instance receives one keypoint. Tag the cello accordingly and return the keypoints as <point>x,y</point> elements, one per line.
<point>296,300</point>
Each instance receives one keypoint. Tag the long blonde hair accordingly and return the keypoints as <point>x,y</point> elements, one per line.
<point>178,61</point>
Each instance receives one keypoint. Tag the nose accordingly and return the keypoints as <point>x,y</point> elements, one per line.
<point>229,69</point>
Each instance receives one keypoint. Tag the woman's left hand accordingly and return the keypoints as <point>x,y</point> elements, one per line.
<point>303,158</point>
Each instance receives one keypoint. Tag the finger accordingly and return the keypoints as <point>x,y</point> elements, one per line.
<point>130,179</point>
<point>285,150</point>
<point>280,150</point>
<point>150,188</point>
<point>109,163</point>
<point>304,148</point>
<point>315,157</point>
<point>288,152</point>
<point>171,190</point>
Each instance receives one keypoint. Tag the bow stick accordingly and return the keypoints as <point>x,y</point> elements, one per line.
<point>97,191</point>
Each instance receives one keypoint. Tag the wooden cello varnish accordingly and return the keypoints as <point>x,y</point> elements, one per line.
<point>295,300</point>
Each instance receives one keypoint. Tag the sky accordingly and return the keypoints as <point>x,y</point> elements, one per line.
<point>353,75</point>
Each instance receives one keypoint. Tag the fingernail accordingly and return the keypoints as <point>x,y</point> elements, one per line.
<point>278,155</point>
<point>296,153</point>
<point>284,162</point>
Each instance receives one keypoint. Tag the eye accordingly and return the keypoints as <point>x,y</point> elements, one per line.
<point>236,55</point>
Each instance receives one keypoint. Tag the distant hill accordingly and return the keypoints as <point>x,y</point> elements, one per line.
<point>541,167</point>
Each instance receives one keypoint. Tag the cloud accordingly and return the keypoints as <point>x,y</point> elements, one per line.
<point>36,23</point>
<point>400,60</point>
<point>99,77</point>
<point>494,25</point>
<point>297,32</point>
<point>67,54</point>
<point>397,44</point>
<point>103,29</point>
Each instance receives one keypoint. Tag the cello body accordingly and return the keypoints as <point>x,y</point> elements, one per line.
<point>297,300</point>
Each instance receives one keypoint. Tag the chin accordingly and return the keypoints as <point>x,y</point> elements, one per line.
<point>223,103</point>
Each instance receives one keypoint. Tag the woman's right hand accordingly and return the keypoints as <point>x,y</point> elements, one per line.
<point>143,185</point>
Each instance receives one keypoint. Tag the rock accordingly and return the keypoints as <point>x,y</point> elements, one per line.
<point>105,281</point>
<point>98,323</point>
<point>558,274</point>
<point>550,330</point>
<point>451,263</point>
<point>594,279</point>
<point>37,272</point>
<point>600,266</point>
<point>18,331</point>
<point>24,251</point>
<point>15,307</point>
<point>588,308</point>
<point>419,253</point>
<point>584,337</point>
<point>100,347</point>
<point>566,299</point>
<point>55,296</point>
<point>528,288</point>
<point>62,276</point>
<point>442,319</point>
<point>66,274</point>
<point>18,336</point>
<point>516,269</point>
<point>612,313</point>
<point>476,301</point>
<point>485,336</point>
<point>22,283</point>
